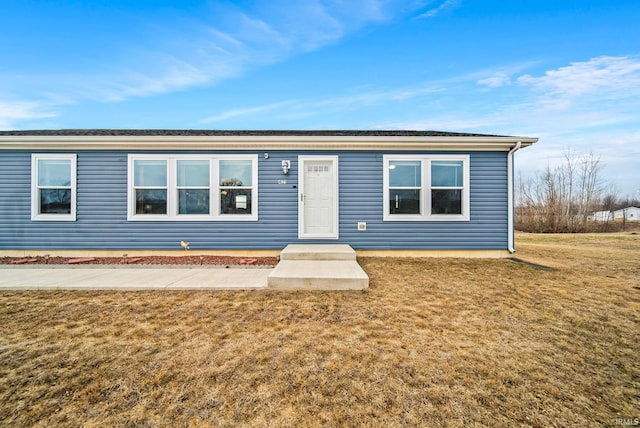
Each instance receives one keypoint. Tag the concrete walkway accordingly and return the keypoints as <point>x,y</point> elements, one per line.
<point>131,278</point>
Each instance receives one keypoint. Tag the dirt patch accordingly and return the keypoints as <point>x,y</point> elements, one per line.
<point>146,260</point>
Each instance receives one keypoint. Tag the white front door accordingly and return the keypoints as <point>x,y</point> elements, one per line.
<point>318,197</point>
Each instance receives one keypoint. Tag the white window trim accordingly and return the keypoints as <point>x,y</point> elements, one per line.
<point>425,193</point>
<point>35,200</point>
<point>172,188</point>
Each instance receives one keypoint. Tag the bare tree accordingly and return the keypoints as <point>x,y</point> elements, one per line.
<point>560,199</point>
<point>607,206</point>
<point>591,186</point>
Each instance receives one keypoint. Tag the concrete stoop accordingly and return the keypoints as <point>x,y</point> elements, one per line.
<point>318,267</point>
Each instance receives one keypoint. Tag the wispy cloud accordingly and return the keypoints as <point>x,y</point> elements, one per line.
<point>300,108</point>
<point>442,7</point>
<point>249,111</point>
<point>602,92</point>
<point>225,42</point>
<point>597,74</point>
<point>602,79</point>
<point>503,75</point>
<point>430,92</point>
<point>497,80</point>
<point>12,112</point>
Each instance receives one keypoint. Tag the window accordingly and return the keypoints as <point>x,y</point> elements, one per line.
<point>235,186</point>
<point>426,187</point>
<point>150,186</point>
<point>194,184</point>
<point>53,187</point>
<point>446,187</point>
<point>193,187</point>
<point>405,186</point>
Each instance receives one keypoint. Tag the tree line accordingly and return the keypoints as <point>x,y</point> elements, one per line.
<point>563,199</point>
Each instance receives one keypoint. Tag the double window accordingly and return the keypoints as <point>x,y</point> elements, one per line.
<point>429,187</point>
<point>193,187</point>
<point>53,187</point>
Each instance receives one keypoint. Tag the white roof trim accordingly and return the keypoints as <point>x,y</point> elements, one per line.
<point>275,142</point>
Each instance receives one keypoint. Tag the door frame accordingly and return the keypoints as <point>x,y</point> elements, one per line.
<point>302,159</point>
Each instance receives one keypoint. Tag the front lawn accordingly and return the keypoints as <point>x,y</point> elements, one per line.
<point>433,342</point>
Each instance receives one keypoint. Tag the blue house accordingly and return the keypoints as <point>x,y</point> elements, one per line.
<point>382,191</point>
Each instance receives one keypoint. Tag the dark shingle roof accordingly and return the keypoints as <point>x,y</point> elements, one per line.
<point>238,133</point>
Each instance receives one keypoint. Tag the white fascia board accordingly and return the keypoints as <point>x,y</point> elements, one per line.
<point>353,143</point>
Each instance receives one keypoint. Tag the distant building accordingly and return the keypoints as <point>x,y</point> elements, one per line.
<point>601,216</point>
<point>628,214</point>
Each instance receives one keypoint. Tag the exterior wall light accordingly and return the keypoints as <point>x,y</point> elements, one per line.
<point>286,165</point>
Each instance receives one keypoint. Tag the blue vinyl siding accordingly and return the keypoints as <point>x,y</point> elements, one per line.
<point>102,209</point>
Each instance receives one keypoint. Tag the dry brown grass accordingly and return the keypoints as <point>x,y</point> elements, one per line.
<point>448,342</point>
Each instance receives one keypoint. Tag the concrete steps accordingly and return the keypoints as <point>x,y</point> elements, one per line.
<point>318,267</point>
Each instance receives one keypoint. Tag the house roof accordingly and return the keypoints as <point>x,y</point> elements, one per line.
<point>196,139</point>
<point>629,207</point>
<point>218,133</point>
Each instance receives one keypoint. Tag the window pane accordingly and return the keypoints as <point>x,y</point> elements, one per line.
<point>405,173</point>
<point>54,172</point>
<point>150,173</point>
<point>151,201</point>
<point>192,201</point>
<point>235,173</point>
<point>55,201</point>
<point>235,201</point>
<point>404,201</point>
<point>446,201</point>
<point>446,174</point>
<point>193,173</point>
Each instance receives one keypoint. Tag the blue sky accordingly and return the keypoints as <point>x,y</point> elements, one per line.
<point>566,71</point>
